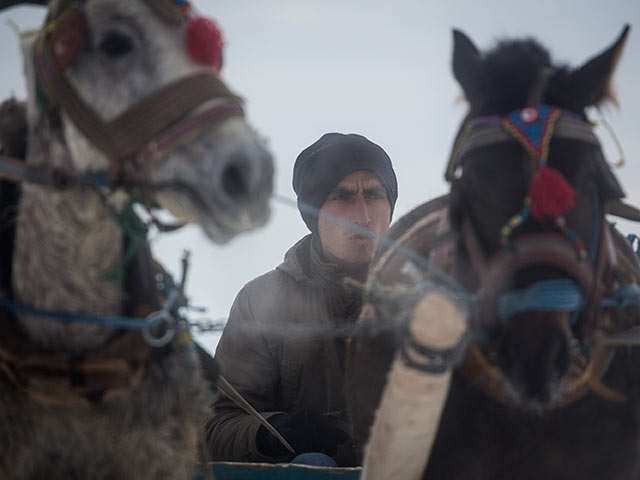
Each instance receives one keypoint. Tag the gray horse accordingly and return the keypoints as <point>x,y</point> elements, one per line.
<point>124,105</point>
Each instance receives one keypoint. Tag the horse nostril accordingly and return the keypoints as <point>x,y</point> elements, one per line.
<point>559,356</point>
<point>247,179</point>
<point>234,181</point>
<point>506,355</point>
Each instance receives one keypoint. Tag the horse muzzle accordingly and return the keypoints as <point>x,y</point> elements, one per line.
<point>566,279</point>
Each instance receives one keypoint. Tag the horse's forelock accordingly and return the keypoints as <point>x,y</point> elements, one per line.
<point>509,73</point>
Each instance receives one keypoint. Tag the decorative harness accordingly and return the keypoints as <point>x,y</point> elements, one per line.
<point>590,267</point>
<point>549,196</point>
<point>143,133</point>
<point>602,278</point>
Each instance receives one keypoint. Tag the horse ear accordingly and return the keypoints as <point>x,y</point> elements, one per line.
<point>591,83</point>
<point>466,65</point>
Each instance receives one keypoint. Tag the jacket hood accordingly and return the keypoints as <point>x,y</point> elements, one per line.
<point>297,261</point>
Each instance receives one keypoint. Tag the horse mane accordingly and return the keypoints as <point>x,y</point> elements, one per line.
<point>509,71</point>
<point>13,143</point>
<point>13,128</point>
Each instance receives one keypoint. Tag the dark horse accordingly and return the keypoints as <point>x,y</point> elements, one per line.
<point>542,392</point>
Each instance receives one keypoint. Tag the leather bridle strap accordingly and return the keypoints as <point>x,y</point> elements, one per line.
<point>125,136</point>
<point>16,170</point>
<point>474,250</point>
<point>169,11</point>
<point>486,131</point>
<point>158,115</point>
<point>537,91</point>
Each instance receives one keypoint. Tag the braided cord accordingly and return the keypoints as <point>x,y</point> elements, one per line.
<point>134,230</point>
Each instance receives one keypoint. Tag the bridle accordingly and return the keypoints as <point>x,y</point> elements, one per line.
<point>144,132</point>
<point>590,265</point>
<point>556,249</point>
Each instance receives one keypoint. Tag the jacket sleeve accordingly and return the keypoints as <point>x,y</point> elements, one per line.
<point>247,360</point>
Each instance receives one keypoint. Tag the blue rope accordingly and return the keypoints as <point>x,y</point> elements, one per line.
<point>548,295</point>
<point>130,323</point>
<point>169,316</point>
<point>560,295</point>
<point>625,297</point>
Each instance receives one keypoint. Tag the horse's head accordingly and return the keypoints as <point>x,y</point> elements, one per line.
<point>534,240</point>
<point>134,90</point>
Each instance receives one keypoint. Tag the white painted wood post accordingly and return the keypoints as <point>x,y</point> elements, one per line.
<point>408,417</point>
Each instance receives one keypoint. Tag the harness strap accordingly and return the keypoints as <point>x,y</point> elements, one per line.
<point>129,133</point>
<point>160,113</point>
<point>623,210</point>
<point>58,377</point>
<point>487,131</point>
<point>539,88</point>
<point>16,170</point>
<point>169,11</point>
<point>474,250</point>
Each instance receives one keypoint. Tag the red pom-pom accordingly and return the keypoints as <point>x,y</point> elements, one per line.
<point>204,42</point>
<point>550,193</point>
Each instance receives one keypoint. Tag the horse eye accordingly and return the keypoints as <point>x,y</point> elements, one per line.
<point>115,44</point>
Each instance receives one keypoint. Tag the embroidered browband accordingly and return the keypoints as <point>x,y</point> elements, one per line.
<point>549,195</point>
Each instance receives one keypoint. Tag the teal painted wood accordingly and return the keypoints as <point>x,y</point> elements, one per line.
<point>265,471</point>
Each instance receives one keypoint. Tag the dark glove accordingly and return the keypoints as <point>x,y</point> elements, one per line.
<point>305,430</point>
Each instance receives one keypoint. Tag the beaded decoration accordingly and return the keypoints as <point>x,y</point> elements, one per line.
<point>549,195</point>
<point>533,128</point>
<point>185,7</point>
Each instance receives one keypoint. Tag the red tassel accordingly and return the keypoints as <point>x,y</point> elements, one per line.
<point>204,42</point>
<point>550,194</point>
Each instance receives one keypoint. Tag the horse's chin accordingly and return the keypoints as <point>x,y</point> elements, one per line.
<point>223,228</point>
<point>534,408</point>
<point>538,407</point>
<point>219,222</point>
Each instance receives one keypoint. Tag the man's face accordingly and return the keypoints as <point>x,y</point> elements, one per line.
<point>359,200</point>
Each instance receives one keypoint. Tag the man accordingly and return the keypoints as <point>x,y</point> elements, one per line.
<point>284,344</point>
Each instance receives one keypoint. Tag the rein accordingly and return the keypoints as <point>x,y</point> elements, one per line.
<point>58,377</point>
<point>164,320</point>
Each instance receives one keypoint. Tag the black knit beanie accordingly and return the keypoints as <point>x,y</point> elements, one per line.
<point>323,165</point>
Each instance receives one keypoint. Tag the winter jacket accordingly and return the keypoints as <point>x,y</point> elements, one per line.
<point>283,349</point>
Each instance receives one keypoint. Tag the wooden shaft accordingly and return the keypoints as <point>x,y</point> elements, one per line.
<point>408,417</point>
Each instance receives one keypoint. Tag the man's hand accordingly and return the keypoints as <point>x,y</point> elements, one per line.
<point>305,430</point>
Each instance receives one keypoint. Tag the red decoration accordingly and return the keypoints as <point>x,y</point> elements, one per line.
<point>68,39</point>
<point>551,195</point>
<point>204,42</point>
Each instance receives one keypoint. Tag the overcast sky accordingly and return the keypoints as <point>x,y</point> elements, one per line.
<point>378,68</point>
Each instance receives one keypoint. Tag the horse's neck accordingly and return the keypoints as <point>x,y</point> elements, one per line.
<point>66,244</point>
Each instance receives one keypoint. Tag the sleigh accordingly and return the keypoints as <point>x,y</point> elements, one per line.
<point>282,471</point>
